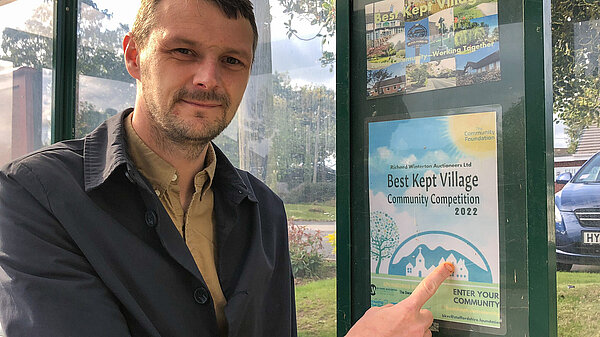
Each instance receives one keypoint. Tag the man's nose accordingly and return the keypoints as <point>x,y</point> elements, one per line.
<point>206,75</point>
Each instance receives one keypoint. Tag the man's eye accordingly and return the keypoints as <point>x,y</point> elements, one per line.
<point>183,51</point>
<point>232,60</point>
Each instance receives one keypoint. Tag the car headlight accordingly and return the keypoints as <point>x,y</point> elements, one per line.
<point>557,215</point>
<point>560,226</point>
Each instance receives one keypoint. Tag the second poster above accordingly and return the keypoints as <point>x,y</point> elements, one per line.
<point>422,45</point>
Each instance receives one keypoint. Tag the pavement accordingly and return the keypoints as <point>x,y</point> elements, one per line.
<point>585,269</point>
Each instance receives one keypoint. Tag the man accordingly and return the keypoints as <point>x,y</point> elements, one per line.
<point>144,228</point>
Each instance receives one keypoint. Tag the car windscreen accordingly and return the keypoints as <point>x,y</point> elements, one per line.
<point>590,172</point>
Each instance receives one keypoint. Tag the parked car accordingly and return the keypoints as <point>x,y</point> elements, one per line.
<point>577,216</point>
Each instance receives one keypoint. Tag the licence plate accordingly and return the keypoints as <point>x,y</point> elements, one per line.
<point>591,237</point>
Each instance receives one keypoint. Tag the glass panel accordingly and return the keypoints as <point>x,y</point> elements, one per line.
<point>432,81</point>
<point>284,134</point>
<point>104,86</point>
<point>576,87</point>
<point>25,76</point>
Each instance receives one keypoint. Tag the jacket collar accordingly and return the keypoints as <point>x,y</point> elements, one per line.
<point>105,149</point>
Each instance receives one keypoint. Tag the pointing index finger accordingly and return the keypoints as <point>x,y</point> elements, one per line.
<point>429,285</point>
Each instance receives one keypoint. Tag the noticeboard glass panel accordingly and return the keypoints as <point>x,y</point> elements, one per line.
<point>437,97</point>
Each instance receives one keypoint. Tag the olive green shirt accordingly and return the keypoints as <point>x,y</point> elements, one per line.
<point>197,225</point>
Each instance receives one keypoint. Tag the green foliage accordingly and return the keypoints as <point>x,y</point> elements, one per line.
<point>88,117</point>
<point>305,251</point>
<point>301,131</point>
<point>25,49</point>
<point>384,237</point>
<point>575,60</point>
<point>99,49</point>
<point>384,50</point>
<point>417,74</point>
<point>309,192</point>
<point>470,36</point>
<point>320,13</point>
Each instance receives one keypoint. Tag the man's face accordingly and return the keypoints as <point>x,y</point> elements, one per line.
<point>194,70</point>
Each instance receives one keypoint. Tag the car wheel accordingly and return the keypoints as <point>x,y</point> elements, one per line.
<point>563,266</point>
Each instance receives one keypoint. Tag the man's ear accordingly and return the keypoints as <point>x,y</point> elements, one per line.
<point>132,56</point>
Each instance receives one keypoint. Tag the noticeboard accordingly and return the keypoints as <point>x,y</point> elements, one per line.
<point>444,107</point>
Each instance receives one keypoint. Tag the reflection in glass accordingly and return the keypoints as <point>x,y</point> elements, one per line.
<point>104,86</point>
<point>576,107</point>
<point>284,134</point>
<point>575,60</point>
<point>25,77</point>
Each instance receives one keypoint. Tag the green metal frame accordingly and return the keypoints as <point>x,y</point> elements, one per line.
<point>539,153</point>
<point>343,231</point>
<point>527,174</point>
<point>64,95</point>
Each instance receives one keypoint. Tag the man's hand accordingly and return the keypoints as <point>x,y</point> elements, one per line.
<point>405,319</point>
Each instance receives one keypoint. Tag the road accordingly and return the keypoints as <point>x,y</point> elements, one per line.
<point>438,83</point>
<point>488,8</point>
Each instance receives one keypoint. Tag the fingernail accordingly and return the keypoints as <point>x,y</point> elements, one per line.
<point>449,266</point>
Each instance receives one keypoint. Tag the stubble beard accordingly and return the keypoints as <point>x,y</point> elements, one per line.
<point>171,133</point>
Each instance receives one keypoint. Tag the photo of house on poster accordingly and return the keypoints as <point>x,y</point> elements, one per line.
<point>433,197</point>
<point>422,45</point>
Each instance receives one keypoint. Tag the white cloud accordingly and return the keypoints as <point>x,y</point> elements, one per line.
<point>384,152</point>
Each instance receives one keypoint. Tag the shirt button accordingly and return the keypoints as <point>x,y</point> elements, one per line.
<point>157,191</point>
<point>151,218</point>
<point>174,177</point>
<point>201,295</point>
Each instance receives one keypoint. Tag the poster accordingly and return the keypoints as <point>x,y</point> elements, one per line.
<point>422,45</point>
<point>433,197</point>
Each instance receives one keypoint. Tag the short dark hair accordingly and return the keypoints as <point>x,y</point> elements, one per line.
<point>145,19</point>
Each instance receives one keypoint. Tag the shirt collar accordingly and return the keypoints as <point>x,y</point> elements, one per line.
<point>158,171</point>
<point>105,149</point>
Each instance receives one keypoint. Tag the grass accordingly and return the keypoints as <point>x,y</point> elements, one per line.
<point>309,212</point>
<point>316,308</point>
<point>578,304</point>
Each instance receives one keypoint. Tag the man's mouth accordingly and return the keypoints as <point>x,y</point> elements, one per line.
<point>203,104</point>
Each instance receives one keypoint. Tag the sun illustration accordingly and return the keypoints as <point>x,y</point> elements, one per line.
<point>474,134</point>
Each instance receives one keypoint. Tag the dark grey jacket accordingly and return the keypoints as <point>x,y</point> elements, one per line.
<point>86,249</point>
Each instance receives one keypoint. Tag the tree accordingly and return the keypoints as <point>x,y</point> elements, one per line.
<point>301,130</point>
<point>575,59</point>
<point>417,74</point>
<point>99,51</point>
<point>88,117</point>
<point>470,37</point>
<point>319,13</point>
<point>442,29</point>
<point>384,237</point>
<point>26,50</point>
<point>374,77</point>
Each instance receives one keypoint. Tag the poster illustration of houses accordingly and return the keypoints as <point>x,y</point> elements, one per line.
<point>422,45</point>
<point>433,197</point>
